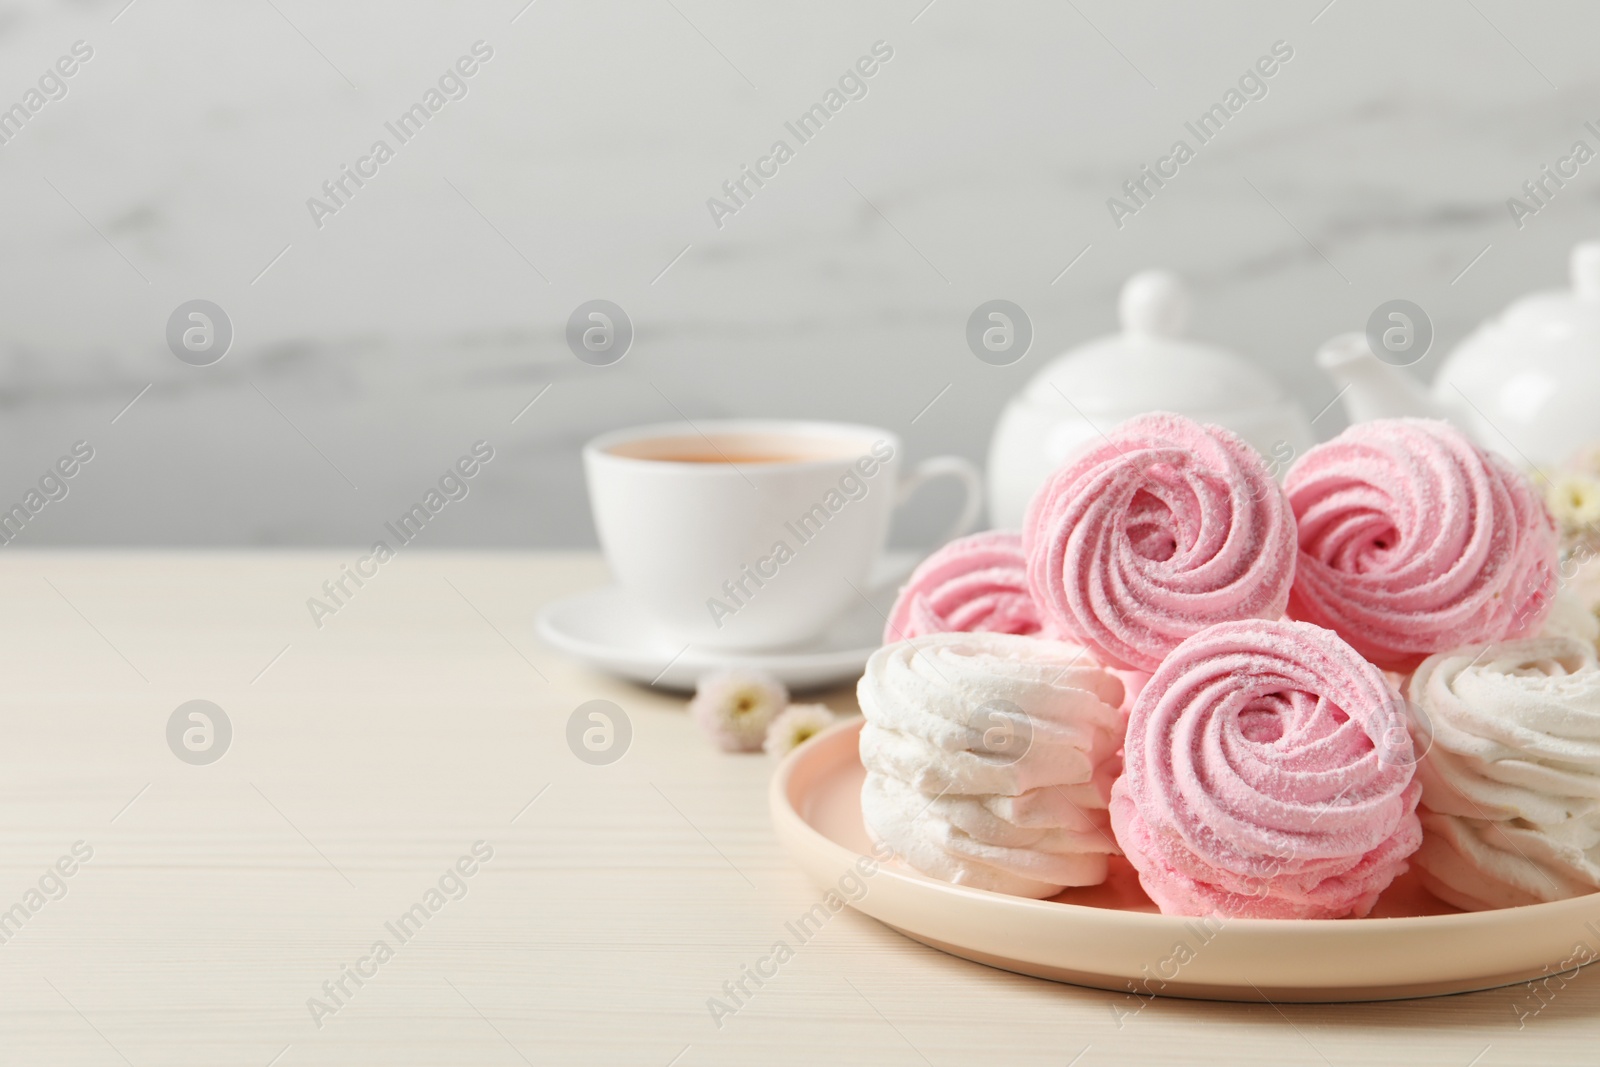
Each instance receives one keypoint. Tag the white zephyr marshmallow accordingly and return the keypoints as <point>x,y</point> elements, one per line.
<point>1511,785</point>
<point>990,759</point>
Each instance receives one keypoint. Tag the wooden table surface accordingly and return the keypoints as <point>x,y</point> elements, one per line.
<point>369,756</point>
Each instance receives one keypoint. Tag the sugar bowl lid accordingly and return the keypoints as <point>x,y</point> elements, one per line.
<point>1151,365</point>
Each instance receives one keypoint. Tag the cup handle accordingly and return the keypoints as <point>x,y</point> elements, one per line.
<point>939,467</point>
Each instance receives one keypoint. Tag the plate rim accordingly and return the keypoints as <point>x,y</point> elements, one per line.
<point>801,839</point>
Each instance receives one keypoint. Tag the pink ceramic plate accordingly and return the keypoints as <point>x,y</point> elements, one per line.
<point>1111,936</point>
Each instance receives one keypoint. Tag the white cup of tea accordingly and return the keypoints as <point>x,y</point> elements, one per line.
<point>753,534</point>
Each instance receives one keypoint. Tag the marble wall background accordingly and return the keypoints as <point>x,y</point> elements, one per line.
<point>429,310</point>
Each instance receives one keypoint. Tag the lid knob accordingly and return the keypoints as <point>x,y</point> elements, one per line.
<point>1156,303</point>
<point>1586,270</point>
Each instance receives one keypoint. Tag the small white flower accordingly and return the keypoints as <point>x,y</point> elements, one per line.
<point>1575,501</point>
<point>797,725</point>
<point>734,707</point>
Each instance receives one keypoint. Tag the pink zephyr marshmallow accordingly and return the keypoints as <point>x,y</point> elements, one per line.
<point>1267,773</point>
<point>1163,528</point>
<point>973,584</point>
<point>1415,541</point>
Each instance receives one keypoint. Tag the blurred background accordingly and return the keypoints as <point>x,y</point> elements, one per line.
<point>374,344</point>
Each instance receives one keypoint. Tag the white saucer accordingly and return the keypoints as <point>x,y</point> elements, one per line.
<point>607,630</point>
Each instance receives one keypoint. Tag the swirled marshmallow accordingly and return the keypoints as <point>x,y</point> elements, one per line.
<point>1511,784</point>
<point>990,759</point>
<point>1147,537</point>
<point>1267,774</point>
<point>973,584</point>
<point>1415,541</point>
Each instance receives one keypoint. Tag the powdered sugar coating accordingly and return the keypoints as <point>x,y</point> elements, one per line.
<point>973,584</point>
<point>1511,786</point>
<point>956,801</point>
<point>921,699</point>
<point>1267,774</point>
<point>1162,529</point>
<point>1414,541</point>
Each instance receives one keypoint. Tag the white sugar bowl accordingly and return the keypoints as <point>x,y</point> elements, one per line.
<point>1149,366</point>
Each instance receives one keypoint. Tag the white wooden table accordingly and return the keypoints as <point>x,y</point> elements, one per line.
<point>369,755</point>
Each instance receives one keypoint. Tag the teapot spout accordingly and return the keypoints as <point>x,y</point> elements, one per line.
<point>1370,388</point>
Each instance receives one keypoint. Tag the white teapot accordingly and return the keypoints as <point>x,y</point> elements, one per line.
<point>1526,383</point>
<point>1149,366</point>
